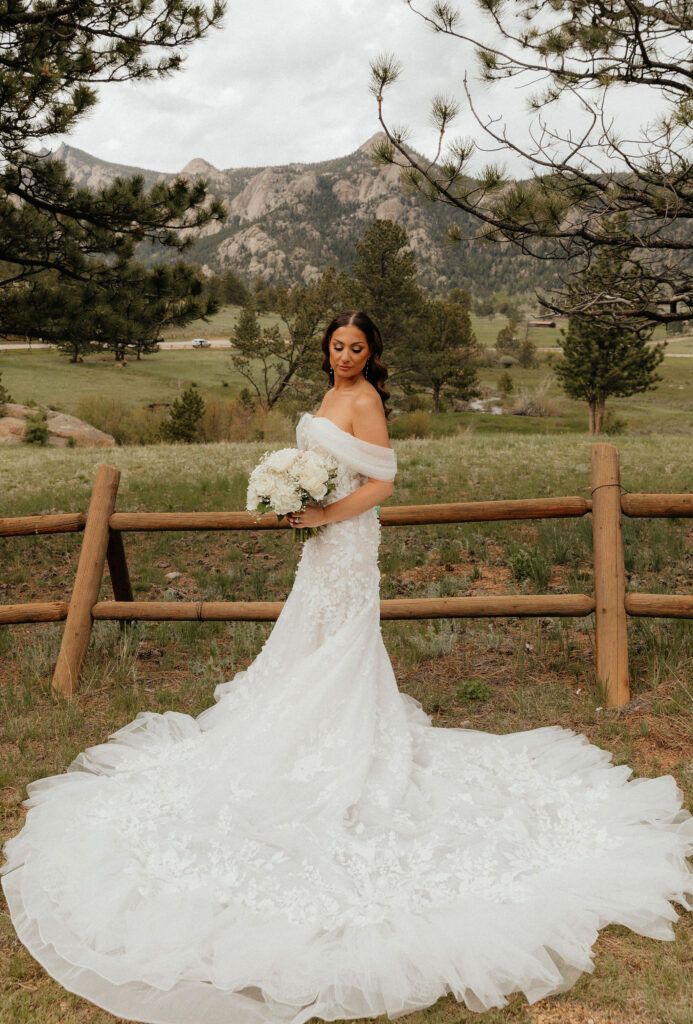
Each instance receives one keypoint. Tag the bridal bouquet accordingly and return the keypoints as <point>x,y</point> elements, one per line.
<point>287,480</point>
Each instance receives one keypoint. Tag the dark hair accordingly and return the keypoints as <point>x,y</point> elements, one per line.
<point>377,371</point>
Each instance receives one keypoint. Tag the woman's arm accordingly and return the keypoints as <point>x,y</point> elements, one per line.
<point>368,425</point>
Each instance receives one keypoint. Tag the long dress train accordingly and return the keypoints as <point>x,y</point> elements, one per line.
<point>311,846</point>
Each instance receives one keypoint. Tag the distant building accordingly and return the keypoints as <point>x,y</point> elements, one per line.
<point>541,323</point>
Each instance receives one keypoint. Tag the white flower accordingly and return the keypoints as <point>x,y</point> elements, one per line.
<point>282,460</point>
<point>262,480</point>
<point>313,478</point>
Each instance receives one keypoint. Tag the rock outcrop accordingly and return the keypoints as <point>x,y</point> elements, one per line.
<point>290,223</point>
<point>61,427</point>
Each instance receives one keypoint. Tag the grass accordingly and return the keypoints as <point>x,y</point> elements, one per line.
<point>45,377</point>
<point>497,675</point>
<point>221,325</point>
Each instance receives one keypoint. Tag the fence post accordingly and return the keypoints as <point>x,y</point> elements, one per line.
<point>609,575</point>
<point>118,568</point>
<point>85,592</point>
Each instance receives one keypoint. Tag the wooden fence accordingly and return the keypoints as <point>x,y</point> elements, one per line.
<point>103,529</point>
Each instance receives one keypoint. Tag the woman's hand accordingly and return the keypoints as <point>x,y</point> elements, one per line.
<point>311,515</point>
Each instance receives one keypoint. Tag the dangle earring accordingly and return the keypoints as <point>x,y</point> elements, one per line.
<point>365,369</point>
<point>331,373</point>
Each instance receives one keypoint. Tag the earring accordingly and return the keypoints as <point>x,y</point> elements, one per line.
<point>365,369</point>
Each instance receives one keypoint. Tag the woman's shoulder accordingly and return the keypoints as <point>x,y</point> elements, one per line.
<point>368,417</point>
<point>367,400</point>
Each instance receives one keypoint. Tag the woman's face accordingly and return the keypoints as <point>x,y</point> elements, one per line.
<point>348,352</point>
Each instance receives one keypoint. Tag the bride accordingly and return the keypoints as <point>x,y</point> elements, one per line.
<point>310,846</point>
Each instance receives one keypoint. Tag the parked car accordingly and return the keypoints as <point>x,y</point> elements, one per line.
<point>201,343</point>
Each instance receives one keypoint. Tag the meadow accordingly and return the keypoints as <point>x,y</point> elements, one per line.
<point>496,675</point>
<point>129,401</point>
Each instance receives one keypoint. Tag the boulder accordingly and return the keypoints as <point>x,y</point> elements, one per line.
<point>60,428</point>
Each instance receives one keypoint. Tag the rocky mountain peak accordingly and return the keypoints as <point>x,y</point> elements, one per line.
<point>200,166</point>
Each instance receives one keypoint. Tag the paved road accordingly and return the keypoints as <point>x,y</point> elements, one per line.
<point>213,343</point>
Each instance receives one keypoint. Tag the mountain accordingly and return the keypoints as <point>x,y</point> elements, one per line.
<point>289,223</point>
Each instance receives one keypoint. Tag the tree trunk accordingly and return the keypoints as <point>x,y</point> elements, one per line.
<point>600,415</point>
<point>592,408</point>
<point>436,397</point>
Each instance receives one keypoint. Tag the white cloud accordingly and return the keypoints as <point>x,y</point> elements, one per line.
<point>286,82</point>
<point>280,82</point>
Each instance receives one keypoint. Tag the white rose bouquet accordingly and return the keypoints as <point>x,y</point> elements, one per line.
<point>287,480</point>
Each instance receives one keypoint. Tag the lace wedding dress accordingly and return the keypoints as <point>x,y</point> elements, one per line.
<point>311,846</point>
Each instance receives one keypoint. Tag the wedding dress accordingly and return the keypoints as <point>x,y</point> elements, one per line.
<point>311,846</point>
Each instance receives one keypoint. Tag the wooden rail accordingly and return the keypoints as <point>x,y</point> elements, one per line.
<point>392,515</point>
<point>103,544</point>
<point>396,608</point>
<point>23,526</point>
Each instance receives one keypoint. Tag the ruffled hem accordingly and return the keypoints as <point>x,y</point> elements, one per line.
<point>478,950</point>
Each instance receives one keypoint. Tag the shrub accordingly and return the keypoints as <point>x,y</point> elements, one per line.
<point>5,396</point>
<point>412,424</point>
<point>505,384</point>
<point>36,428</point>
<point>534,402</point>
<point>472,689</point>
<point>412,403</point>
<point>235,420</point>
<point>530,564</point>
<point>613,424</point>
<point>184,417</point>
<point>125,423</point>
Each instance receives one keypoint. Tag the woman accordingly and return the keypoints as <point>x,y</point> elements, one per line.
<point>310,845</point>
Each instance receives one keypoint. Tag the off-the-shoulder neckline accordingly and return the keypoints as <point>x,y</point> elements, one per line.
<point>380,447</point>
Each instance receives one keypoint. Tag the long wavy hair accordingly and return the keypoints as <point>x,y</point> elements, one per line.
<point>377,371</point>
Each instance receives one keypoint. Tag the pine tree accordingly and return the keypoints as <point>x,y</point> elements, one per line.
<point>507,340</point>
<point>599,362</point>
<point>53,54</point>
<point>125,311</point>
<point>384,282</point>
<point>440,355</point>
<point>581,59</point>
<point>184,417</point>
<point>600,358</point>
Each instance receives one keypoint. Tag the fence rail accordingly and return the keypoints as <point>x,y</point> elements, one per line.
<point>103,544</point>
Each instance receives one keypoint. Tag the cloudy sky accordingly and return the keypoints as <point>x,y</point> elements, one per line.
<point>287,80</point>
<point>281,81</point>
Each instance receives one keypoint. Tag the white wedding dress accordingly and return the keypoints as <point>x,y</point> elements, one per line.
<point>311,846</point>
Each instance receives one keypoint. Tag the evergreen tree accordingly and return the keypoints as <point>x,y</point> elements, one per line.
<point>588,56</point>
<point>440,355</point>
<point>53,54</point>
<point>184,417</point>
<point>507,340</point>
<point>599,362</point>
<point>233,292</point>
<point>384,283</point>
<point>603,358</point>
<point>36,428</point>
<point>125,311</point>
<point>527,352</point>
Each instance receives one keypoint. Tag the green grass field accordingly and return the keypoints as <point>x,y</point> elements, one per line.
<point>47,378</point>
<point>527,673</point>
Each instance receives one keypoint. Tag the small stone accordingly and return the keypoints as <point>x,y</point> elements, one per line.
<point>171,576</point>
<point>162,565</point>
